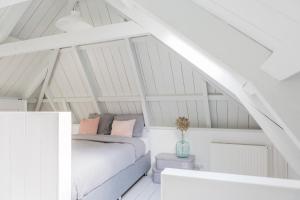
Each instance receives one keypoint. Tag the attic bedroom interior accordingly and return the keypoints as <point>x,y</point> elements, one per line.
<point>149,99</point>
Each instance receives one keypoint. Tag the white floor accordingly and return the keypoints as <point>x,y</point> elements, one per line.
<point>145,189</point>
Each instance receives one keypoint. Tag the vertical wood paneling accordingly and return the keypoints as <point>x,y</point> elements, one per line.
<point>17,154</point>
<point>177,74</point>
<point>29,155</point>
<point>213,114</point>
<point>243,118</point>
<point>222,112</point>
<point>146,66</point>
<point>232,114</point>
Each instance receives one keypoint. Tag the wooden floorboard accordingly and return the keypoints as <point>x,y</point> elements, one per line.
<point>145,189</point>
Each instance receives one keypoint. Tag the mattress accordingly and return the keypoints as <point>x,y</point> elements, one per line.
<point>97,158</point>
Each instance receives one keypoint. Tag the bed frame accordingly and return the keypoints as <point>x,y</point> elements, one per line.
<point>118,185</point>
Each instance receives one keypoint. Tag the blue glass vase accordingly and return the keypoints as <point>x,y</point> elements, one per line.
<point>182,148</point>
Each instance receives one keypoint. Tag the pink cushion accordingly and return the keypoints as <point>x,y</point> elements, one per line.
<point>89,126</point>
<point>123,128</point>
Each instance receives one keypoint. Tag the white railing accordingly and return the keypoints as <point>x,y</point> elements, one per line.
<point>184,184</point>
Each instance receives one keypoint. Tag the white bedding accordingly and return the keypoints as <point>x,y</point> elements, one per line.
<point>95,159</point>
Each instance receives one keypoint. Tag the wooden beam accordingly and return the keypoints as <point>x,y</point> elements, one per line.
<point>206,104</point>
<point>135,98</point>
<point>7,3</point>
<point>94,35</point>
<point>138,80</point>
<point>38,80</point>
<point>50,100</point>
<point>186,98</point>
<point>86,79</point>
<point>119,99</point>
<point>52,62</point>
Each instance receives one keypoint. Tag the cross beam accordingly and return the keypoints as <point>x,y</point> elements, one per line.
<point>89,36</point>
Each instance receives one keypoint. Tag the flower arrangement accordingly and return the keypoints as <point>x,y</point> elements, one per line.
<point>182,146</point>
<point>182,124</point>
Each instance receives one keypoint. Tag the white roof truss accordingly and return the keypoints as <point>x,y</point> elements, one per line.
<point>52,62</point>
<point>90,36</point>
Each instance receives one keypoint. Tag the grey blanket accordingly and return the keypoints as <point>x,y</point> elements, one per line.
<point>96,158</point>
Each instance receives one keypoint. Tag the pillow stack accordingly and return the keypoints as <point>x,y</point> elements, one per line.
<point>125,125</point>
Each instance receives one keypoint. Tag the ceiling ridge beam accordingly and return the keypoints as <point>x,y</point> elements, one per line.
<point>52,63</point>
<point>105,33</point>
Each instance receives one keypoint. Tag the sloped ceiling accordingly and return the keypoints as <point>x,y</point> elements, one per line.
<point>164,73</point>
<point>17,72</point>
<point>229,57</point>
<point>173,87</point>
<point>39,19</point>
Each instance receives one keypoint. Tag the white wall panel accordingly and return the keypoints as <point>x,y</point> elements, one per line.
<point>31,148</point>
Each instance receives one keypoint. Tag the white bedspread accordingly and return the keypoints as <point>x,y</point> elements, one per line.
<point>94,162</point>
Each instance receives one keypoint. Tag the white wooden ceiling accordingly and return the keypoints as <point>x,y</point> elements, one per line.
<point>39,19</point>
<point>173,87</point>
<point>17,72</point>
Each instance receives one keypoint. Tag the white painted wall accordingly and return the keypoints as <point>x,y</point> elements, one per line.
<point>35,154</point>
<point>183,184</point>
<point>164,140</point>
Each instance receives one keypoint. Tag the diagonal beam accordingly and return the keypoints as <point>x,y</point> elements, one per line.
<point>38,80</point>
<point>93,35</point>
<point>83,65</point>
<point>52,62</point>
<point>206,104</point>
<point>138,80</point>
<point>50,100</point>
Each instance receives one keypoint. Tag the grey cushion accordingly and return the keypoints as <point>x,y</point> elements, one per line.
<point>139,123</point>
<point>106,120</point>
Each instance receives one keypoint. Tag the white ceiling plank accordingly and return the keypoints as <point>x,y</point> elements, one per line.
<point>10,18</point>
<point>206,105</point>
<point>35,84</point>
<point>7,3</point>
<point>138,79</point>
<point>52,62</point>
<point>87,81</point>
<point>92,35</point>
